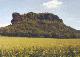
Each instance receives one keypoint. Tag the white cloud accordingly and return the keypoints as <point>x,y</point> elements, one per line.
<point>52,4</point>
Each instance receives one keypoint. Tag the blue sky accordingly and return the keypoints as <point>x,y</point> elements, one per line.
<point>68,10</point>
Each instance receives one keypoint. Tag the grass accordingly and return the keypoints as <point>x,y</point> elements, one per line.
<point>39,47</point>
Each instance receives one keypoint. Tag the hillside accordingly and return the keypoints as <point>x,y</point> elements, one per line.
<point>46,25</point>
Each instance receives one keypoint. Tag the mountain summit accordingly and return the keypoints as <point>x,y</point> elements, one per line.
<point>32,24</point>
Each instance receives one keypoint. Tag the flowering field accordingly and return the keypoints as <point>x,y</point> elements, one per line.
<point>39,47</point>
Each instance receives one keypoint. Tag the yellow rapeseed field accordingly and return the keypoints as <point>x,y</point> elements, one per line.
<point>20,42</point>
<point>39,47</point>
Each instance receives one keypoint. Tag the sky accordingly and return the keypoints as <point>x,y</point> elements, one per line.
<point>67,10</point>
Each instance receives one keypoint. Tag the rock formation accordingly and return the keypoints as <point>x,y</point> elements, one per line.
<point>45,25</point>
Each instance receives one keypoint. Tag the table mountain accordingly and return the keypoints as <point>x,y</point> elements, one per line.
<point>32,24</point>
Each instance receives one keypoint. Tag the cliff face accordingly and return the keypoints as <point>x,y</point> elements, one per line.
<point>38,25</point>
<point>16,17</point>
<point>40,16</point>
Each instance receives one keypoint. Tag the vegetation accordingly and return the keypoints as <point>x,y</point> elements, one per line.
<point>37,47</point>
<point>46,25</point>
